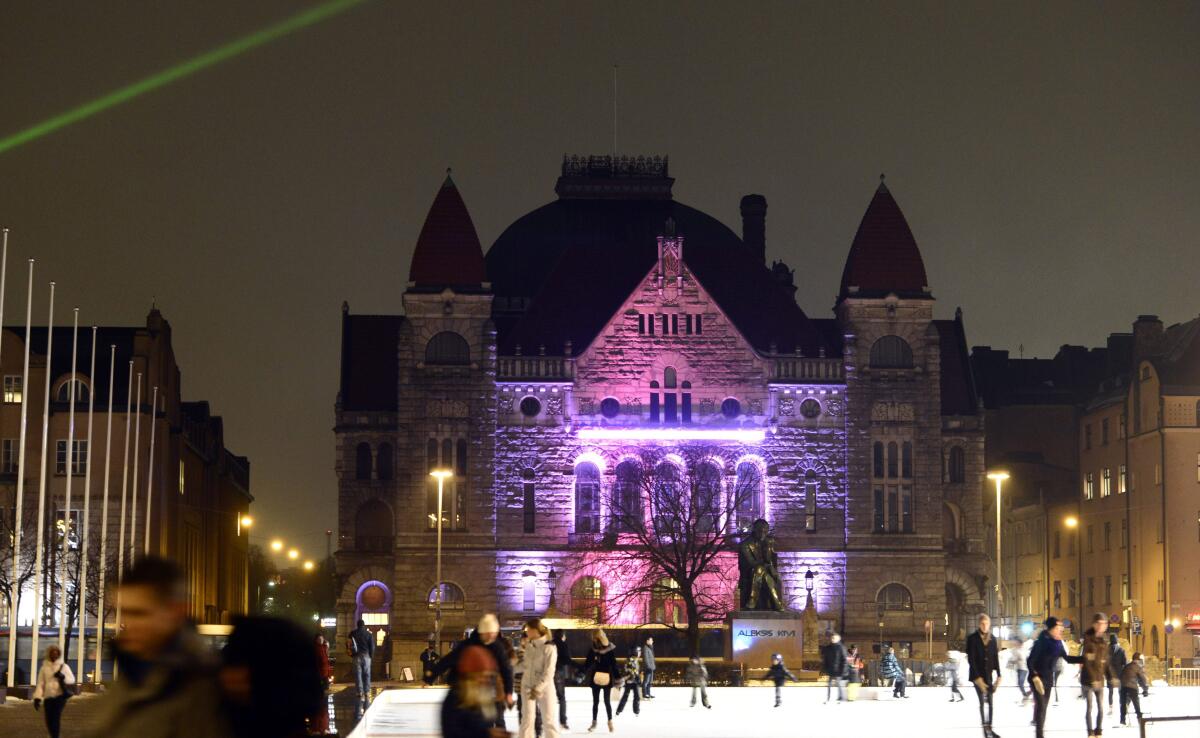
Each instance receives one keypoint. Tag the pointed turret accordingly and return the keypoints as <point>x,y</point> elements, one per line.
<point>448,253</point>
<point>884,257</point>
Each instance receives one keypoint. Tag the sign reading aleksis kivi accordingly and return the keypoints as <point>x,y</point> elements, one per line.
<point>754,639</point>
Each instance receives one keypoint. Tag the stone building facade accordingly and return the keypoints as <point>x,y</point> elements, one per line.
<point>615,320</point>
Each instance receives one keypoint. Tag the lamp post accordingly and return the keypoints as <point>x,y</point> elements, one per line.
<point>1072,522</point>
<point>809,578</point>
<point>441,475</point>
<point>998,477</point>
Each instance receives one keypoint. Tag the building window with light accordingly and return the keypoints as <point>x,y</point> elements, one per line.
<point>1106,482</point>
<point>441,455</point>
<point>12,389</point>
<point>810,500</point>
<point>1121,479</point>
<point>1089,486</point>
<point>750,494</point>
<point>587,599</point>
<point>182,477</point>
<point>587,498</point>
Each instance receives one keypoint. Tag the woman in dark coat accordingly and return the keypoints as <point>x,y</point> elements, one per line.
<point>602,672</point>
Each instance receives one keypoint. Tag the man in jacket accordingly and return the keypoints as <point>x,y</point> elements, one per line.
<point>1133,678</point>
<point>429,657</point>
<point>833,661</point>
<point>1095,671</point>
<point>362,649</point>
<point>1043,662</point>
<point>487,634</point>
<point>562,673</point>
<point>167,686</point>
<point>647,668</point>
<point>983,658</point>
<point>1116,664</point>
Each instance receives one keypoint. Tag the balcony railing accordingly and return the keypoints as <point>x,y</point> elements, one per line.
<point>802,369</point>
<point>535,368</point>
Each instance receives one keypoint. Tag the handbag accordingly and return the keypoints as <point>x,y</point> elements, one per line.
<point>62,685</point>
<point>601,679</point>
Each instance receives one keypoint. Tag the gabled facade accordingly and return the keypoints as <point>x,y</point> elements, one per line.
<point>615,320</point>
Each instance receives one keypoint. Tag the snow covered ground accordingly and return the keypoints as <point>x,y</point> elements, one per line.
<point>748,712</point>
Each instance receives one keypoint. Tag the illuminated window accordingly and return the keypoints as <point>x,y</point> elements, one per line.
<point>627,513</point>
<point>1106,482</point>
<point>1057,595</point>
<point>12,388</point>
<point>182,476</point>
<point>749,494</point>
<point>1122,476</point>
<point>452,597</point>
<point>1089,486</point>
<point>810,500</point>
<point>587,599</point>
<point>529,592</point>
<point>587,498</point>
<point>894,597</point>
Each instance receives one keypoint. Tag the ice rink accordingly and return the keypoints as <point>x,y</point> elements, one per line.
<point>749,712</point>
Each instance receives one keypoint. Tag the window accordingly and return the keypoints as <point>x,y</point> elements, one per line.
<point>1197,412</point>
<point>610,407</point>
<point>1057,543</point>
<point>688,324</point>
<point>958,465</point>
<point>1089,487</point>
<point>452,596</point>
<point>650,324</point>
<point>362,461</point>
<point>448,349</point>
<point>1091,529</point>
<point>665,496</point>
<point>699,325</point>
<point>1057,595</point>
<point>373,527</point>
<point>892,499</point>
<point>628,517</point>
<point>1121,478</point>
<point>687,401</point>
<point>587,599</point>
<point>1087,436</point>
<point>906,459</point>
<point>894,597</point>
<point>810,408</point>
<point>891,352</point>
<point>8,462</point>
<point>1104,432</point>
<point>1124,587</point>
<point>530,407</point>
<point>454,489</point>
<point>706,503</point>
<point>674,324</point>
<point>1108,589</point>
<point>1106,482</point>
<point>78,462</point>
<point>1124,532</point>
<point>383,462</point>
<point>641,323</point>
<point>1091,591</point>
<point>1162,590</point>
<point>460,461</point>
<point>69,526</point>
<point>878,523</point>
<point>810,500</point>
<point>1107,536</point>
<point>877,456</point>
<point>666,606</point>
<point>1153,628</point>
<point>1071,593</point>
<point>12,389</point>
<point>181,476</point>
<point>892,461</point>
<point>654,397</point>
<point>529,593</point>
<point>1070,545</point>
<point>64,391</point>
<point>587,498</point>
<point>731,408</point>
<point>749,493</point>
<point>528,501</point>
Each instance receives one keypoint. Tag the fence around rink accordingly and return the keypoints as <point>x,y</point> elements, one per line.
<point>1144,721</point>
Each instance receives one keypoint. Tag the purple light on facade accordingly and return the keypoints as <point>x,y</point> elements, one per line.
<point>739,435</point>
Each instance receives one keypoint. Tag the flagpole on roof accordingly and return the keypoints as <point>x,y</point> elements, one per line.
<point>15,596</point>
<point>66,531</point>
<point>41,519</point>
<point>150,471</point>
<point>87,500</point>
<point>100,614</point>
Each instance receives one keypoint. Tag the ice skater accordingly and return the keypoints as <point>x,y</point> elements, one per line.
<point>779,673</point>
<point>951,670</point>
<point>890,668</point>
<point>697,677</point>
<point>983,657</point>
<point>1133,678</point>
<point>631,676</point>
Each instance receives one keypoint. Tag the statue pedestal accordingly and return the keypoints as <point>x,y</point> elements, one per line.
<point>753,635</point>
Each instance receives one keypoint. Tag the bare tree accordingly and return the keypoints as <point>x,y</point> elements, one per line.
<point>673,526</point>
<point>11,588</point>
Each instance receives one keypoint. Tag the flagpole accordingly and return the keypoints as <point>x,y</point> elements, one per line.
<point>137,437</point>
<point>112,371</point>
<point>17,526</point>
<point>87,520</point>
<point>150,470</point>
<point>124,491</point>
<point>41,520</point>
<point>62,582</point>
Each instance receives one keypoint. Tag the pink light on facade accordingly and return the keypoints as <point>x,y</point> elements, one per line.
<point>739,435</point>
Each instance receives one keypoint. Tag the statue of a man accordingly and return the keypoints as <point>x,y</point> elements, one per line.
<point>758,574</point>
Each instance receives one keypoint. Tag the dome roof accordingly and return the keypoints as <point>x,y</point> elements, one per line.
<point>448,253</point>
<point>884,257</point>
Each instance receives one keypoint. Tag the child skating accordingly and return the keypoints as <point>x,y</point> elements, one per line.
<point>697,676</point>
<point>779,673</point>
<point>632,678</point>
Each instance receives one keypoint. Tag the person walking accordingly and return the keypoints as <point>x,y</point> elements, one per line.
<point>361,647</point>
<point>983,659</point>
<point>487,635</point>
<point>475,695</point>
<point>697,678</point>
<point>631,679</point>
<point>319,722</point>
<point>1133,679</point>
<point>537,687</point>
<point>429,657</point>
<point>562,672</point>
<point>890,668</point>
<point>601,669</point>
<point>1116,661</point>
<point>1016,662</point>
<point>951,671</point>
<point>648,667</point>
<point>835,663</point>
<point>1095,672</point>
<point>167,686</point>
<point>516,658</point>
<point>778,673</point>
<point>51,691</point>
<point>854,665</point>
<point>1044,665</point>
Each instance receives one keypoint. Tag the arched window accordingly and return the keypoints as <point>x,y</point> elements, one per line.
<point>654,400</point>
<point>587,498</point>
<point>383,462</point>
<point>957,465</point>
<point>64,391</point>
<point>891,352</point>
<point>627,513</point>
<point>452,596</point>
<point>587,599</point>
<point>670,378</point>
<point>706,502</point>
<point>665,502</point>
<point>373,527</point>
<point>670,396</point>
<point>750,495</point>
<point>362,461</point>
<point>666,604</point>
<point>810,500</point>
<point>448,349</point>
<point>894,597</point>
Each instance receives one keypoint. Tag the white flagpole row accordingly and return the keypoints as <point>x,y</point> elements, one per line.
<point>87,522</point>
<point>150,470</point>
<point>133,490</point>
<point>41,519</point>
<point>112,373</point>
<point>124,492</point>
<point>66,531</point>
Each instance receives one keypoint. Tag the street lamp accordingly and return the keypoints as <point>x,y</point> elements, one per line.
<point>998,477</point>
<point>441,475</point>
<point>309,565</point>
<point>276,545</point>
<point>1072,522</point>
<point>293,554</point>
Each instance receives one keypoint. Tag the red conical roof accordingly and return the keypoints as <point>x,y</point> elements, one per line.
<point>884,257</point>
<point>448,253</point>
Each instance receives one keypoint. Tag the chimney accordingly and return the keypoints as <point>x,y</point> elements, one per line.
<point>1147,331</point>
<point>754,225</point>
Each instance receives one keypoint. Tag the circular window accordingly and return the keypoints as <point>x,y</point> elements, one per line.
<point>610,407</point>
<point>731,408</point>
<point>373,597</point>
<point>810,408</point>
<point>530,407</point>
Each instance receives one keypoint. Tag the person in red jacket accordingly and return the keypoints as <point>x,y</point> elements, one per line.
<point>319,723</point>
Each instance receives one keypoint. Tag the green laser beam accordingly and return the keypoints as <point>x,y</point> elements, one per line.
<point>179,71</point>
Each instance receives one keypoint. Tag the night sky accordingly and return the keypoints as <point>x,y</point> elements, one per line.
<point>1046,158</point>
